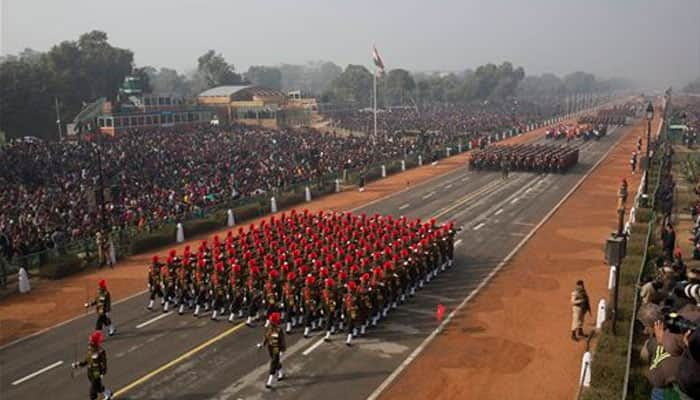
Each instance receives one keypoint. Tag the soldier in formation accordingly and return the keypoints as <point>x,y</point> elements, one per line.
<point>332,272</point>
<point>103,305</point>
<point>525,157</point>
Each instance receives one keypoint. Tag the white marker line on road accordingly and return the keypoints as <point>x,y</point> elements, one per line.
<point>466,178</point>
<point>458,242</point>
<point>529,190</point>
<point>498,212</point>
<point>514,200</point>
<point>385,384</point>
<point>405,206</point>
<point>152,320</point>
<point>481,225</point>
<point>448,186</point>
<point>429,195</point>
<point>312,348</point>
<point>39,372</point>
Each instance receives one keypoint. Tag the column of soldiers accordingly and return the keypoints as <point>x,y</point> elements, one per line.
<point>334,272</point>
<point>541,158</point>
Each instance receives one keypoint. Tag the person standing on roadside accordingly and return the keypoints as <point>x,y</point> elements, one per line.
<point>580,305</point>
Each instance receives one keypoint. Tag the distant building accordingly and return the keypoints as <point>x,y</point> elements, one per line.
<point>254,105</point>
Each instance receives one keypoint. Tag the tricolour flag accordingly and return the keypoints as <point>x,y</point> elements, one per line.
<point>378,62</point>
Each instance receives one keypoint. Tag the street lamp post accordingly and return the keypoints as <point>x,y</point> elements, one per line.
<point>649,116</point>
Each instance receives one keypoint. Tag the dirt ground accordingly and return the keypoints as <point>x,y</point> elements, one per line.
<point>496,347</point>
<point>51,302</point>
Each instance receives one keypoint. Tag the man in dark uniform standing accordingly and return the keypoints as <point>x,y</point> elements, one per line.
<point>96,362</point>
<point>103,305</point>
<point>276,346</point>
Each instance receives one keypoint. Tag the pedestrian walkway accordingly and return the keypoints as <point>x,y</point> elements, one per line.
<point>513,340</point>
<point>51,302</point>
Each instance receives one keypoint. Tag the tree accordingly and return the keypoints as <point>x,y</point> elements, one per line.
<point>579,82</point>
<point>399,85</point>
<point>216,71</point>
<point>270,77</point>
<point>353,85</point>
<point>693,87</point>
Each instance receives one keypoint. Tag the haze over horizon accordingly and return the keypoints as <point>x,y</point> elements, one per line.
<point>652,43</point>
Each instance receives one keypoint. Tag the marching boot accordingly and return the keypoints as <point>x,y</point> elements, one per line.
<point>206,306</point>
<point>313,325</point>
<point>403,297</point>
<point>196,310</point>
<point>267,323</point>
<point>181,309</point>
<point>213,315</point>
<point>443,266</point>
<point>165,306</point>
<point>231,317</point>
<point>354,332</point>
<point>306,332</point>
<point>162,301</point>
<point>450,262</point>
<point>240,313</point>
<point>348,341</point>
<point>111,330</point>
<point>268,384</point>
<point>150,305</point>
<point>413,291</point>
<point>386,310</point>
<point>573,336</point>
<point>288,327</point>
<point>280,374</point>
<point>363,329</point>
<point>107,394</point>
<point>333,330</point>
<point>249,321</point>
<point>579,332</point>
<point>374,320</point>
<point>420,284</point>
<point>222,311</point>
<point>327,338</point>
<point>341,325</point>
<point>393,305</point>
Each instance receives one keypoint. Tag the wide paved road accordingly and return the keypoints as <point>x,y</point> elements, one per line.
<point>159,356</point>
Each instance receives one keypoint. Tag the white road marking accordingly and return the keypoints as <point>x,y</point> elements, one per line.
<point>466,178</point>
<point>529,190</point>
<point>385,384</point>
<point>405,206</point>
<point>448,186</point>
<point>429,195</point>
<point>152,320</point>
<point>39,372</point>
<point>312,347</point>
<point>514,200</point>
<point>458,242</point>
<point>498,212</point>
<point>481,225</point>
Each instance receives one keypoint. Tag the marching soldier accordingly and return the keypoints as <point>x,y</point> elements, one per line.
<point>103,305</point>
<point>308,298</point>
<point>154,287</point>
<point>167,283</point>
<point>290,301</point>
<point>96,363</point>
<point>276,346</point>
<point>329,307</point>
<point>350,311</point>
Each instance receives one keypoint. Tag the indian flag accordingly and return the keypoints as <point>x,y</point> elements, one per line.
<point>378,62</point>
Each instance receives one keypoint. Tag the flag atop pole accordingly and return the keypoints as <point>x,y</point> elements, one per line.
<point>378,62</point>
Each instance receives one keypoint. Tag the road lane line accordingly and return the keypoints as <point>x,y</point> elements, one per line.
<point>178,360</point>
<point>448,186</point>
<point>481,225</point>
<point>405,206</point>
<point>429,195</point>
<point>466,178</point>
<point>390,379</point>
<point>515,200</point>
<point>458,242</point>
<point>37,373</point>
<point>152,320</point>
<point>312,348</point>
<point>498,212</point>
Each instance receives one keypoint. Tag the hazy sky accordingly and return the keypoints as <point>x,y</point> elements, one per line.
<point>657,41</point>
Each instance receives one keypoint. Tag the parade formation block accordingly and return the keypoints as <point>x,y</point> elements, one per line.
<point>525,157</point>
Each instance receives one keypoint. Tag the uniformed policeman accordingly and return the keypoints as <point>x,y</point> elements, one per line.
<point>96,363</point>
<point>103,305</point>
<point>276,346</point>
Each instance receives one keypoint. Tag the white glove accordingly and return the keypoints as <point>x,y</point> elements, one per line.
<point>259,345</point>
<point>75,365</point>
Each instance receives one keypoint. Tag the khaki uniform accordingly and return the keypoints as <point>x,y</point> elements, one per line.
<point>579,308</point>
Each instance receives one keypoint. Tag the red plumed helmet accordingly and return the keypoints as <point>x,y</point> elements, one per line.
<point>342,275</point>
<point>291,276</point>
<point>354,268</point>
<point>102,284</point>
<point>329,282</point>
<point>155,259</point>
<point>275,318</point>
<point>96,338</point>
<point>173,253</point>
<point>323,272</point>
<point>364,277</point>
<point>310,280</point>
<point>274,274</point>
<point>352,285</point>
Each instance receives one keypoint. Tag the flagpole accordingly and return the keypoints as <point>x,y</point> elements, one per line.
<point>374,137</point>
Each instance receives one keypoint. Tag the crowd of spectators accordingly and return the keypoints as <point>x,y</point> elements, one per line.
<point>163,174</point>
<point>448,120</point>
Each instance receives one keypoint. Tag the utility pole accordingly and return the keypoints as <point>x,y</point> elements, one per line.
<point>58,119</point>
